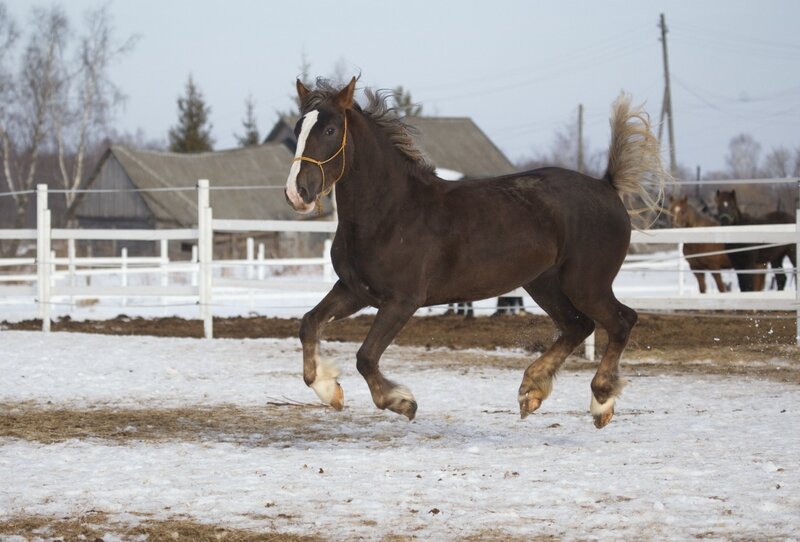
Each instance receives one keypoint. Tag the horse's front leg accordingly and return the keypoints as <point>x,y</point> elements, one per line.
<point>718,279</point>
<point>320,374</point>
<point>388,322</point>
<point>701,280</point>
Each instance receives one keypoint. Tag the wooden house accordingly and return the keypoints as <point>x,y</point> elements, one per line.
<point>152,189</point>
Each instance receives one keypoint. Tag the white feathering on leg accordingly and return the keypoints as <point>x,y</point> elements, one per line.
<point>399,393</point>
<point>325,383</point>
<point>598,409</point>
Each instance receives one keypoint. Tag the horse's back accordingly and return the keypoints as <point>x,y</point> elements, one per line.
<point>562,189</point>
<point>581,214</point>
<point>577,201</point>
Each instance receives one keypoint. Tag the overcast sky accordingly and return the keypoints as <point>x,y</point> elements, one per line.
<point>518,68</point>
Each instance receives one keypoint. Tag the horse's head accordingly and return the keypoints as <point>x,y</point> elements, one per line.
<point>679,211</point>
<point>321,156</point>
<point>728,208</point>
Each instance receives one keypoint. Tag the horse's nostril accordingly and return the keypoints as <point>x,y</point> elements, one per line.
<point>303,193</point>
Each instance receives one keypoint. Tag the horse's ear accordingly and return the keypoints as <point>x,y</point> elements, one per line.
<point>685,199</point>
<point>733,194</point>
<point>345,97</point>
<point>302,91</point>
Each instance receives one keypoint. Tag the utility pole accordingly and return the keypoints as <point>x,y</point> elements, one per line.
<point>580,138</point>
<point>667,106</point>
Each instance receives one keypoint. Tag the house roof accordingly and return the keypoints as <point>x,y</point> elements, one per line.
<point>454,143</point>
<point>262,166</point>
<point>458,144</point>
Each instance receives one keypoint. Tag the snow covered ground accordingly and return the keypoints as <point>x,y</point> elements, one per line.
<point>703,456</point>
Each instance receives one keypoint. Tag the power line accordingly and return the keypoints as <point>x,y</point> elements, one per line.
<point>615,43</point>
<point>736,42</point>
<point>544,76</point>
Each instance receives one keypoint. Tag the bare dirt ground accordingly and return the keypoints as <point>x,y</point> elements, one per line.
<point>724,340</point>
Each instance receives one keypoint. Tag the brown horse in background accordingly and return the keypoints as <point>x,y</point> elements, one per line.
<point>683,215</point>
<point>730,215</point>
<point>408,239</point>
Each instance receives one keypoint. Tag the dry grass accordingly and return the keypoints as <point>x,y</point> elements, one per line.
<point>94,525</point>
<point>267,426</point>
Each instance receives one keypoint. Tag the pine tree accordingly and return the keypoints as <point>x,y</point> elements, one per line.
<point>404,104</point>
<point>193,132</point>
<point>251,136</point>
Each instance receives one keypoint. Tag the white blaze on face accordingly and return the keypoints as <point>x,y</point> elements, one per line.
<point>308,122</point>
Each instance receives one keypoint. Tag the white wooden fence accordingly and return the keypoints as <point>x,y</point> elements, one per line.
<point>201,290</point>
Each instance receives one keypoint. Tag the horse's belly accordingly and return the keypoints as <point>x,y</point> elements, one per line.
<point>490,278</point>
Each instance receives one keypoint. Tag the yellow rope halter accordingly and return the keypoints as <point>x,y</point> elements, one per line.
<point>320,163</point>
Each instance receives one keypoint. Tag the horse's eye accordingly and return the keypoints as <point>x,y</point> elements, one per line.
<point>330,131</point>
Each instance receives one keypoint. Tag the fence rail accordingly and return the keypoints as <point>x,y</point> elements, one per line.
<point>203,283</point>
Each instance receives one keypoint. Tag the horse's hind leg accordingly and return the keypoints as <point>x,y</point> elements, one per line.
<point>318,374</point>
<point>388,322</point>
<point>573,327</point>
<point>777,269</point>
<point>618,321</point>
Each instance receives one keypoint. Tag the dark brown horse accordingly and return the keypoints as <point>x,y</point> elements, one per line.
<point>730,215</point>
<point>407,239</point>
<point>702,257</point>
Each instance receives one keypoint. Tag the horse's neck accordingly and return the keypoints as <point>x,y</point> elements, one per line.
<point>378,180</point>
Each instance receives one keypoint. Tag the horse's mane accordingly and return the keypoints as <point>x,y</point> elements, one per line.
<point>385,117</point>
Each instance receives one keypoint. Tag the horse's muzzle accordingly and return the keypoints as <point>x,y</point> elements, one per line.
<point>299,205</point>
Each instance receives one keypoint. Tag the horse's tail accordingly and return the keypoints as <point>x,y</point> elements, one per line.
<point>634,160</point>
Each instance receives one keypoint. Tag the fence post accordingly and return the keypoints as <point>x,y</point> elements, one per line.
<point>588,347</point>
<point>73,282</point>
<point>797,268</point>
<point>204,256</point>
<point>251,251</point>
<point>164,264</point>
<point>208,323</point>
<point>43,255</point>
<point>682,270</point>
<point>261,255</point>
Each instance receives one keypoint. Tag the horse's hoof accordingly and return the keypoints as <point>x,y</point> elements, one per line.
<point>405,407</point>
<point>602,412</point>
<point>408,409</point>
<point>602,420</point>
<point>527,405</point>
<point>337,401</point>
<point>401,401</point>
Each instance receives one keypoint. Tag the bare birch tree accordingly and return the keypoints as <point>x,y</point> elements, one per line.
<point>743,156</point>
<point>779,163</point>
<point>27,102</point>
<point>84,108</point>
<point>55,104</point>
